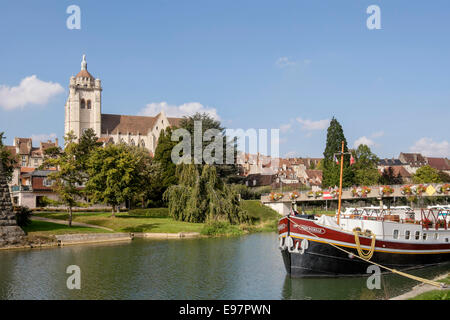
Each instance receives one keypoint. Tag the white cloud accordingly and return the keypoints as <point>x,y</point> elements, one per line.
<point>31,90</point>
<point>430,148</point>
<point>363,140</point>
<point>285,62</point>
<point>285,127</point>
<point>186,109</point>
<point>43,137</point>
<point>310,125</point>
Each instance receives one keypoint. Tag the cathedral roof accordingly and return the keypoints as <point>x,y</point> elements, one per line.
<point>113,124</point>
<point>84,74</point>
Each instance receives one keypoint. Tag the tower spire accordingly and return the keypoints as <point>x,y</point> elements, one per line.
<point>84,63</point>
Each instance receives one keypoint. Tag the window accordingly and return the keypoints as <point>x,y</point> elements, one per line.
<point>89,104</point>
<point>132,142</point>
<point>47,182</point>
<point>24,158</point>
<point>142,144</point>
<point>395,234</point>
<point>407,234</point>
<point>436,236</point>
<point>417,236</point>
<point>83,104</point>
<point>446,239</point>
<point>424,236</point>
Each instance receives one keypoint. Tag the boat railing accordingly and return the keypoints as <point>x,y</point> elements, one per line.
<point>437,219</point>
<point>429,218</point>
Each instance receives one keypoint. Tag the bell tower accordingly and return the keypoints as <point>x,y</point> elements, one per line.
<point>83,108</point>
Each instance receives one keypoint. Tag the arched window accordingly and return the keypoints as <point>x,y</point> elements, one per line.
<point>83,104</point>
<point>142,144</point>
<point>132,142</point>
<point>89,104</point>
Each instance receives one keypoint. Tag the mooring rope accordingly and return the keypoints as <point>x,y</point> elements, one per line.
<point>368,255</point>
<point>430,282</point>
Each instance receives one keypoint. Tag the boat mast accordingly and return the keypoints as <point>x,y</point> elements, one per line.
<point>340,183</point>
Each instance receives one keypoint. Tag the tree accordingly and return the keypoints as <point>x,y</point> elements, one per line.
<point>116,174</point>
<point>388,177</point>
<point>203,197</point>
<point>426,174</point>
<point>445,177</point>
<point>7,159</point>
<point>331,170</point>
<point>164,167</point>
<point>225,170</point>
<point>68,178</point>
<point>365,167</point>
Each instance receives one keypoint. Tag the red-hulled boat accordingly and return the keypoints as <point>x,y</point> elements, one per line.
<point>324,248</point>
<point>349,243</point>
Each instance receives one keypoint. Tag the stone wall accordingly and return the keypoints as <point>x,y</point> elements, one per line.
<point>10,233</point>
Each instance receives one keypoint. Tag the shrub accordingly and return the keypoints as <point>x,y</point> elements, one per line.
<point>23,215</point>
<point>150,212</point>
<point>215,228</point>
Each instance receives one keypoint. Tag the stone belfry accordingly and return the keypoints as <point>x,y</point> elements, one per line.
<point>10,233</point>
<point>83,108</point>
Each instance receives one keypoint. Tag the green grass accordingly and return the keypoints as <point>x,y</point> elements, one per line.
<point>123,222</point>
<point>155,220</point>
<point>436,294</point>
<point>47,229</point>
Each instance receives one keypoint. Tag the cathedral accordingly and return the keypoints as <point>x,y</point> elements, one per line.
<point>83,110</point>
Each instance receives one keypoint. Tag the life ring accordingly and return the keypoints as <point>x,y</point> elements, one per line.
<point>289,243</point>
<point>282,243</point>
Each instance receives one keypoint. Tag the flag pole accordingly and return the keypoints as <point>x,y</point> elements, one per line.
<point>340,183</point>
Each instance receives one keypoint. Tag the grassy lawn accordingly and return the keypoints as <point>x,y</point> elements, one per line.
<point>126,223</point>
<point>47,229</point>
<point>264,219</point>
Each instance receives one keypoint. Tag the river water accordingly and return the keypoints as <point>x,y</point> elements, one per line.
<point>247,267</point>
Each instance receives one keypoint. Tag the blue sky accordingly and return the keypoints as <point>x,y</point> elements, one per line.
<point>261,64</point>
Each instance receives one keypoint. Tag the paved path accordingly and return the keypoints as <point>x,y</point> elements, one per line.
<point>77,224</point>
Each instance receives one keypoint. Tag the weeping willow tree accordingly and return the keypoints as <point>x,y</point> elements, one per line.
<point>203,197</point>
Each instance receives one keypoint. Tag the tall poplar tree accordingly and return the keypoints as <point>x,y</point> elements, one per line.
<point>331,169</point>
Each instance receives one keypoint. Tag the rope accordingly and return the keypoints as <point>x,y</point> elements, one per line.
<point>419,279</point>
<point>368,255</point>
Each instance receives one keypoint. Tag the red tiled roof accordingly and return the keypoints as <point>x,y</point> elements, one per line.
<point>84,74</point>
<point>438,163</point>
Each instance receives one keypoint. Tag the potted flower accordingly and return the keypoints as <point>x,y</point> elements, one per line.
<point>294,195</point>
<point>420,189</point>
<point>310,194</point>
<point>445,189</point>
<point>356,192</point>
<point>334,192</point>
<point>275,196</point>
<point>318,193</point>
<point>365,191</point>
<point>406,190</point>
<point>386,190</point>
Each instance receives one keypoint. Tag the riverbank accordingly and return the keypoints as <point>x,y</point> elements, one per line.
<point>47,228</point>
<point>428,292</point>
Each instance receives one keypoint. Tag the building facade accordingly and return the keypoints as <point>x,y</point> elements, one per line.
<point>83,110</point>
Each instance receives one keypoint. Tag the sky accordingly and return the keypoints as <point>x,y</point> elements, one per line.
<point>287,65</point>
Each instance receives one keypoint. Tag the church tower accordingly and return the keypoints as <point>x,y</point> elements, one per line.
<point>83,108</point>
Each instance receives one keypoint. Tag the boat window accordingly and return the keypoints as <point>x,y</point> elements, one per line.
<point>446,239</point>
<point>424,236</point>
<point>407,234</point>
<point>395,234</point>
<point>417,235</point>
<point>436,236</point>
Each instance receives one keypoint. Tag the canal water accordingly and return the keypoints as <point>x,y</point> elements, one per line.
<point>247,267</point>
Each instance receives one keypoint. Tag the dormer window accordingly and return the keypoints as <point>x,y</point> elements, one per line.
<point>83,104</point>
